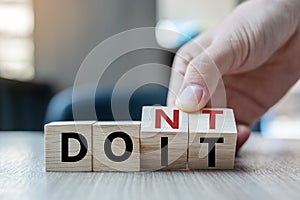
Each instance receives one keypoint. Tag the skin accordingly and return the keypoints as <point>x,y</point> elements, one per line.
<point>255,51</point>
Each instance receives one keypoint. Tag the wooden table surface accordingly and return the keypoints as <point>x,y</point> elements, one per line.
<point>264,169</point>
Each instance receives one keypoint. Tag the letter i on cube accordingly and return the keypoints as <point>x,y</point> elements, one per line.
<point>164,138</point>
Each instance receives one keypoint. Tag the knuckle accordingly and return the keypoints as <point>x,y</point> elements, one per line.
<point>183,56</point>
<point>203,59</point>
<point>239,46</point>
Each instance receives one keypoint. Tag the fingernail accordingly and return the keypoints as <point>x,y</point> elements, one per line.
<point>190,98</point>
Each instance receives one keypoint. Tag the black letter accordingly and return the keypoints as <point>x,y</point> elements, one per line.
<point>65,147</point>
<point>128,144</point>
<point>164,151</point>
<point>211,148</point>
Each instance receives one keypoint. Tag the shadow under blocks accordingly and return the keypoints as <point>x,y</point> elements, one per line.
<point>165,139</point>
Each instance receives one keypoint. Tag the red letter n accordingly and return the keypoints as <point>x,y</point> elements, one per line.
<point>161,114</point>
<point>212,117</point>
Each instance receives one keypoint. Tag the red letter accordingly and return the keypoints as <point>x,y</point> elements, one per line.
<point>212,117</point>
<point>160,113</point>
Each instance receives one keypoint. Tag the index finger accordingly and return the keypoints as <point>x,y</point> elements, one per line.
<point>182,59</point>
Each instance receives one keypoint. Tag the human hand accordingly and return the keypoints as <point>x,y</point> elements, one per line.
<point>255,51</point>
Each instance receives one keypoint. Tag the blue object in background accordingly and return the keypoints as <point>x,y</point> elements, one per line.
<point>172,34</point>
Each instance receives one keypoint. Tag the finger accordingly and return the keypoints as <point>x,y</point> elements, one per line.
<point>186,53</point>
<point>246,40</point>
<point>242,135</point>
<point>202,75</point>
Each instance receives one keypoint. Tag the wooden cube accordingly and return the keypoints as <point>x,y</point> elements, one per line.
<point>68,146</point>
<point>212,139</point>
<point>116,146</point>
<point>164,138</point>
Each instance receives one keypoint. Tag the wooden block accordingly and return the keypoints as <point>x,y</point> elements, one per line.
<point>212,139</point>
<point>116,146</point>
<point>164,138</point>
<point>68,146</point>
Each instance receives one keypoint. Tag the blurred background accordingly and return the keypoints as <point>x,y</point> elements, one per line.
<point>43,43</point>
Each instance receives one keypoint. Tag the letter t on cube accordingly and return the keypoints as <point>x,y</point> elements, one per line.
<point>212,139</point>
<point>164,138</point>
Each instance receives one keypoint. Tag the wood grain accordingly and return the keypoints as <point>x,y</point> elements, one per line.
<point>53,146</point>
<point>264,169</point>
<point>151,140</point>
<point>101,130</point>
<point>224,127</point>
